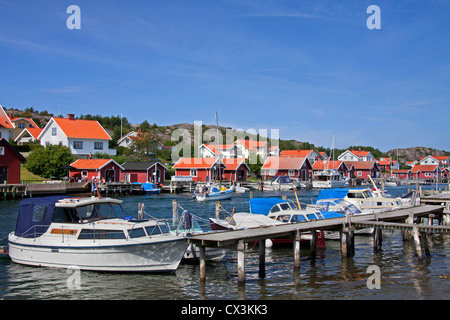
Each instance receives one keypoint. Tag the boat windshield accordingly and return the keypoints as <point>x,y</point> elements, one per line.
<point>100,211</point>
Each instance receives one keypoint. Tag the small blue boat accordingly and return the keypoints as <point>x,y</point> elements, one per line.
<point>149,188</point>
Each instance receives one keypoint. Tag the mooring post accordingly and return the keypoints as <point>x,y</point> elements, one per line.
<point>241,261</point>
<point>416,236</point>
<point>218,210</point>
<point>377,239</point>
<point>297,250</point>
<point>202,264</point>
<point>313,242</point>
<point>347,241</point>
<point>262,258</point>
<point>174,213</point>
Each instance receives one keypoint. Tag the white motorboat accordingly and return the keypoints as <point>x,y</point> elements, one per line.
<point>92,234</point>
<point>214,192</point>
<point>279,183</point>
<point>328,178</point>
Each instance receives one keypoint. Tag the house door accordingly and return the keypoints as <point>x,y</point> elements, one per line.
<point>3,174</point>
<point>110,175</point>
<point>156,176</point>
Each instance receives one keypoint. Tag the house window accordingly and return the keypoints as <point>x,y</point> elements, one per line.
<point>193,172</point>
<point>359,173</point>
<point>2,151</point>
<point>53,131</point>
<point>21,125</point>
<point>84,174</point>
<point>78,144</point>
<point>291,172</point>
<point>98,145</point>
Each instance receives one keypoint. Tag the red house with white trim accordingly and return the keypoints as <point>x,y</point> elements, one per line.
<point>102,170</point>
<point>401,173</point>
<point>236,169</point>
<point>143,171</point>
<point>291,166</point>
<point>200,169</point>
<point>425,171</point>
<point>363,169</point>
<point>10,160</point>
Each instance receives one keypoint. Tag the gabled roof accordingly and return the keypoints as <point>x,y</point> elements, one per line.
<point>284,163</point>
<point>361,165</point>
<point>14,119</point>
<point>5,122</point>
<point>322,165</point>
<point>4,142</point>
<point>80,128</point>
<point>360,153</point>
<point>401,170</point>
<point>197,163</point>
<point>234,163</point>
<point>298,153</point>
<point>92,163</point>
<point>140,165</point>
<point>250,144</point>
<point>424,168</point>
<point>34,132</point>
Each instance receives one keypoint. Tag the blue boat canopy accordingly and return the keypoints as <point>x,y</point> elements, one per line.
<point>338,193</point>
<point>35,215</point>
<point>263,205</point>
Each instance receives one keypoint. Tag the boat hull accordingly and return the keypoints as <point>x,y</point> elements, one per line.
<point>225,195</point>
<point>156,256</point>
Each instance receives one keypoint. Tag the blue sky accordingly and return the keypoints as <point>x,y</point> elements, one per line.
<point>311,69</point>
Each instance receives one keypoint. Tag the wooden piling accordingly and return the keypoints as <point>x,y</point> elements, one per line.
<point>262,258</point>
<point>241,261</point>
<point>313,242</point>
<point>297,250</point>
<point>377,239</point>
<point>347,241</point>
<point>218,210</point>
<point>174,212</point>
<point>202,264</point>
<point>417,242</point>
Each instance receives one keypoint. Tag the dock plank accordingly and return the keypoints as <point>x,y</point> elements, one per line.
<point>226,238</point>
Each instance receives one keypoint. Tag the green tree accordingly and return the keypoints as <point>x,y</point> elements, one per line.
<point>47,162</point>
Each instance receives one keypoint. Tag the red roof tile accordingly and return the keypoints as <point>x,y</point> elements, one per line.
<point>197,163</point>
<point>90,163</point>
<point>283,163</point>
<point>322,165</point>
<point>424,168</point>
<point>233,163</point>
<point>84,129</point>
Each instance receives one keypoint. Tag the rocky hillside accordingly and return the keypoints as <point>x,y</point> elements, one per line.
<point>415,153</point>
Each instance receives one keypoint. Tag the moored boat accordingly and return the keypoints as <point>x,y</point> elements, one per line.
<point>92,234</point>
<point>215,192</point>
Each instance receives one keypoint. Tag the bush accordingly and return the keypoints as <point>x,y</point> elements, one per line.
<point>47,162</point>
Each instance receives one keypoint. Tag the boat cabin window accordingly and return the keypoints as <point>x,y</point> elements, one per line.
<point>100,211</point>
<point>101,234</point>
<point>312,216</point>
<point>136,233</point>
<point>38,213</point>
<point>275,209</point>
<point>285,206</point>
<point>158,229</point>
<point>298,218</point>
<point>284,218</point>
<point>355,195</point>
<point>65,215</point>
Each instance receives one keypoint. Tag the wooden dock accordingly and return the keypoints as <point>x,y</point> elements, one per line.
<point>346,226</point>
<point>14,191</point>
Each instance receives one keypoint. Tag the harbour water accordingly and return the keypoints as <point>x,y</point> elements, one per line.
<point>327,276</point>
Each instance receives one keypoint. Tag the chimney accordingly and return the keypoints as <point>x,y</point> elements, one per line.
<point>70,116</point>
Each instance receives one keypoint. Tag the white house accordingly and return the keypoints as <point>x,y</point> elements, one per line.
<point>82,137</point>
<point>127,140</point>
<point>356,155</point>
<point>6,126</point>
